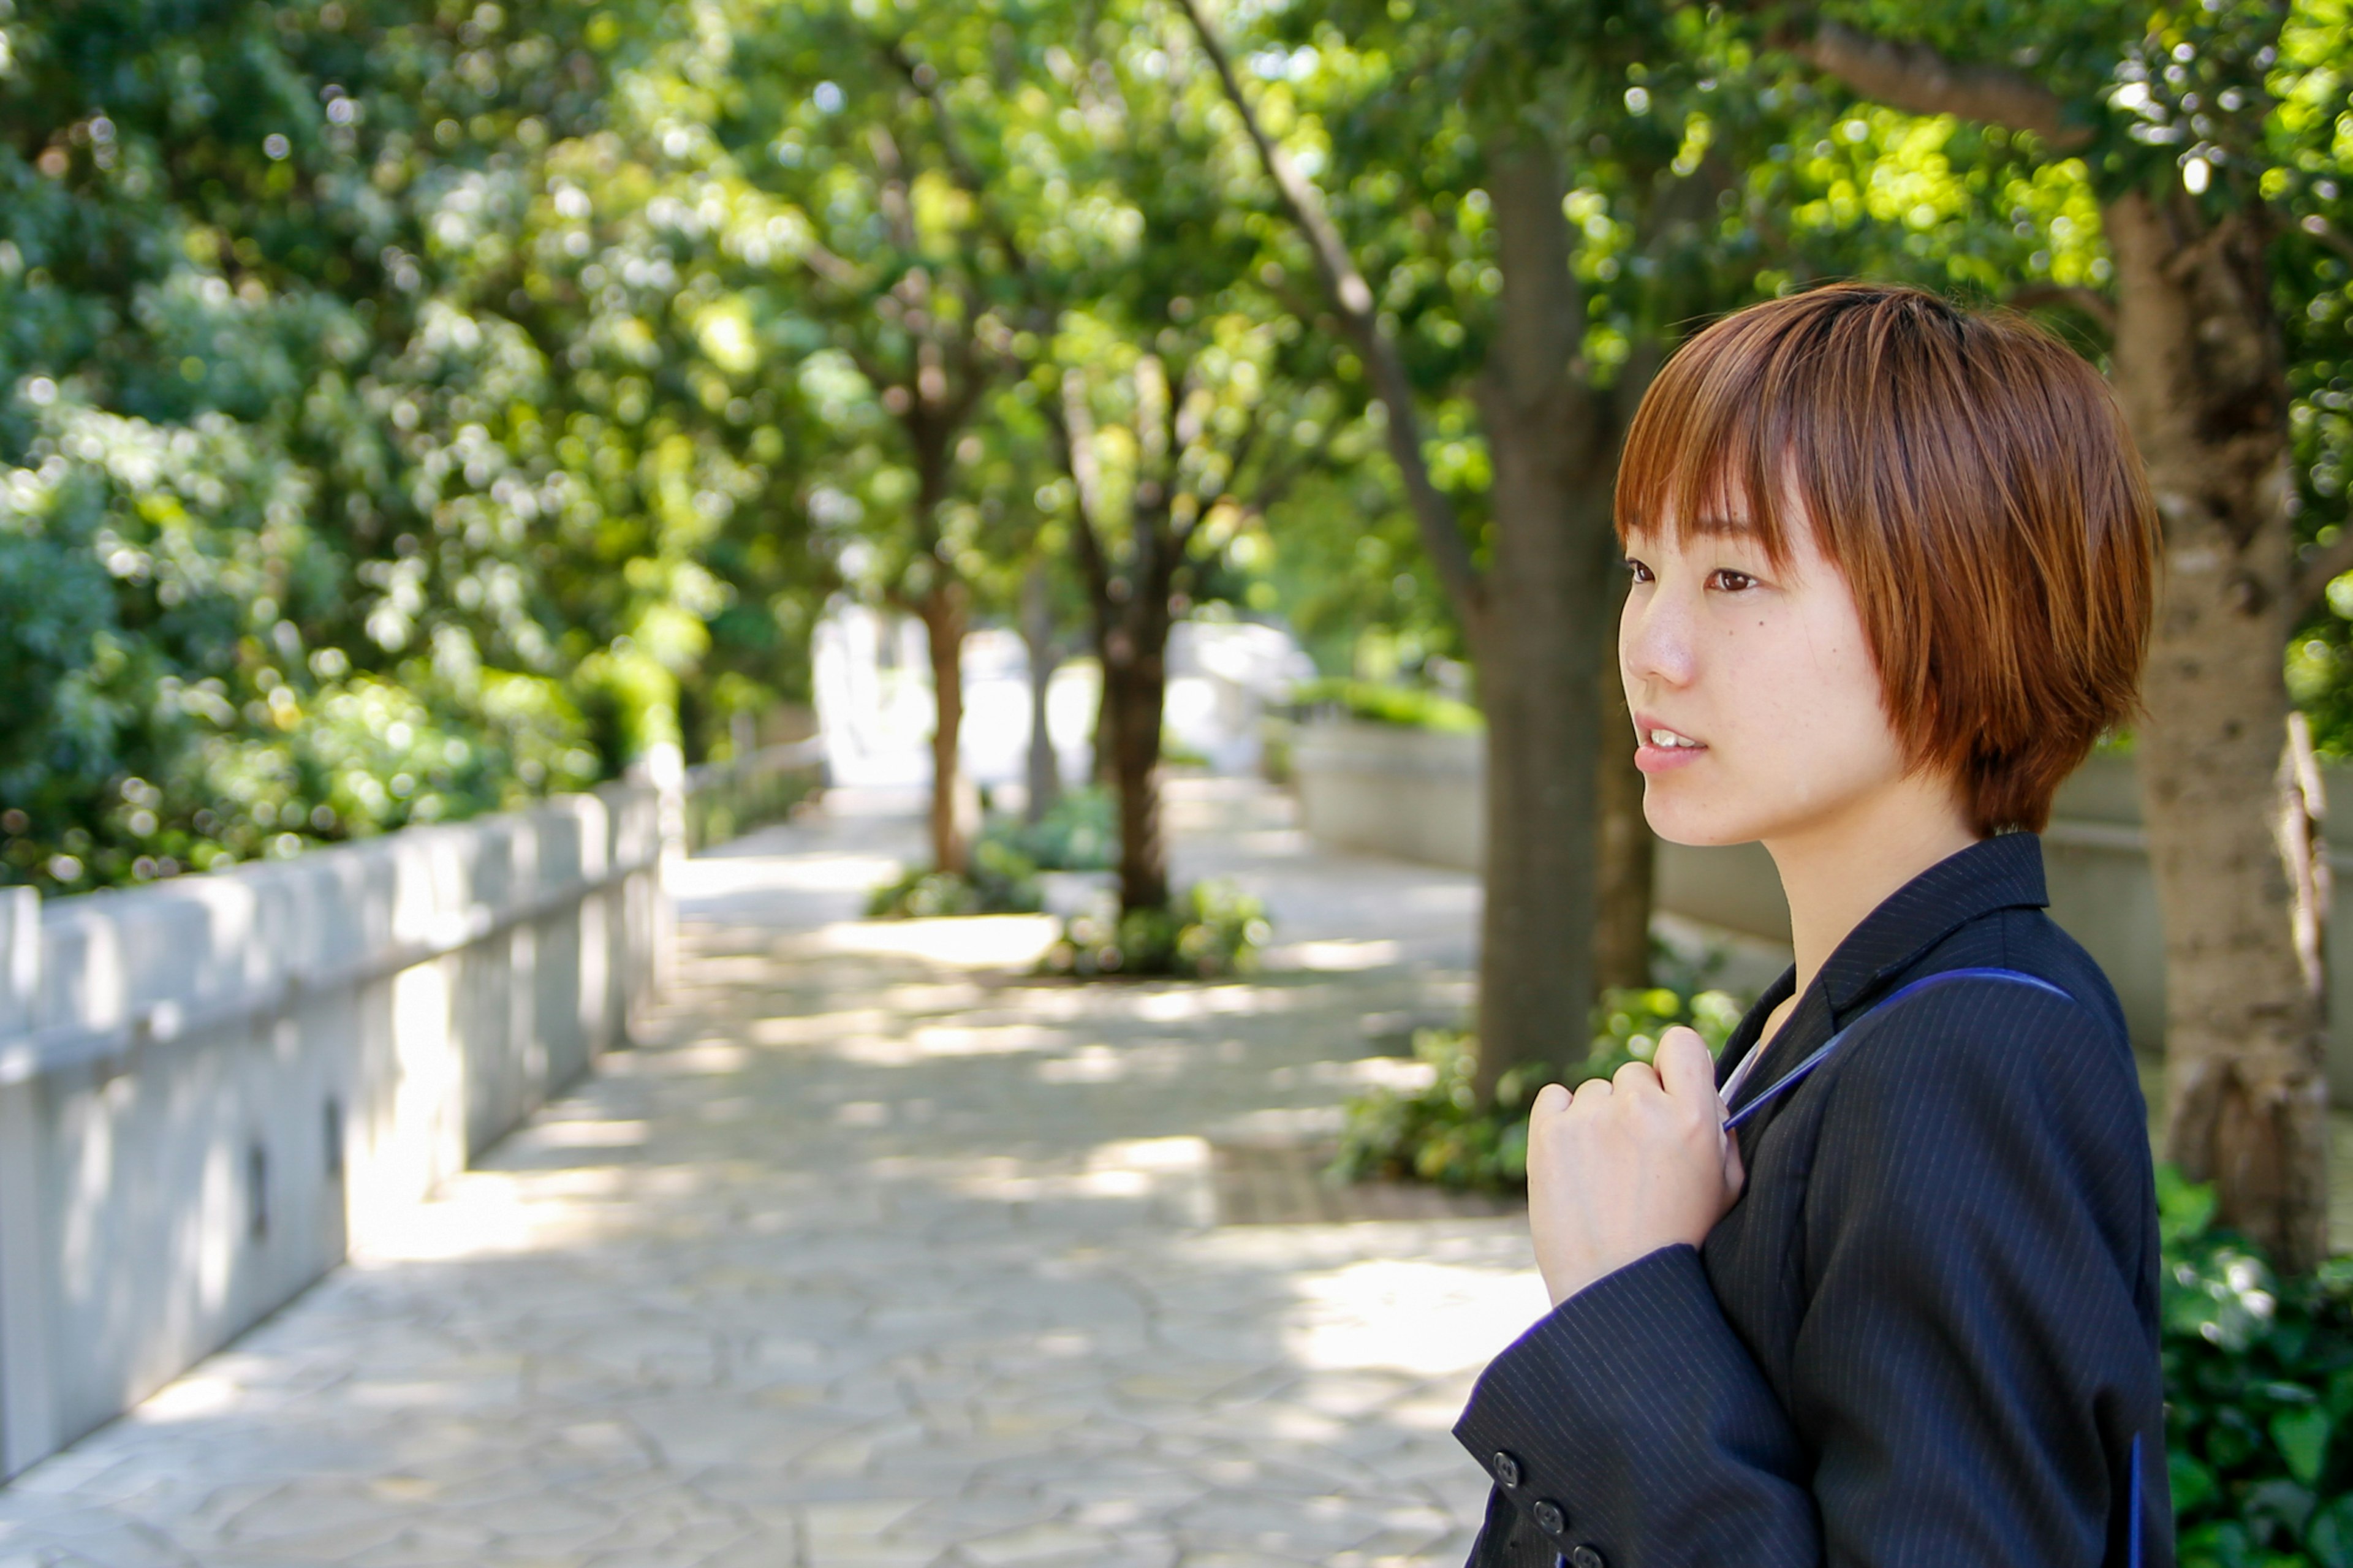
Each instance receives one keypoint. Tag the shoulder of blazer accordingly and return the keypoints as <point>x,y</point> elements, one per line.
<point>2014,1064</point>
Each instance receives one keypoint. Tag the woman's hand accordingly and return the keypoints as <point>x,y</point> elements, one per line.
<point>1628,1164</point>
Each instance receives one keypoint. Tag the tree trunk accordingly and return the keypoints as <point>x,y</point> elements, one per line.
<point>2198,368</point>
<point>1100,771</point>
<point>1627,851</point>
<point>1539,639</point>
<point>1045,773</point>
<point>1135,684</point>
<point>944,612</point>
<point>1532,619</point>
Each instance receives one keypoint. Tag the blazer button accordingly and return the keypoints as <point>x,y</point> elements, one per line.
<point>1585,1557</point>
<point>1549,1518</point>
<point>1507,1469</point>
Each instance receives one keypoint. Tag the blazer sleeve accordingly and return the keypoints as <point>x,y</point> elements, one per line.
<point>1973,1357</point>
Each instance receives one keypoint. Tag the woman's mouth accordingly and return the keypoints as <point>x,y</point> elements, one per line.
<point>1662,749</point>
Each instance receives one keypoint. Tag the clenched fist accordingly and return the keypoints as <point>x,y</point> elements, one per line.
<point>1628,1164</point>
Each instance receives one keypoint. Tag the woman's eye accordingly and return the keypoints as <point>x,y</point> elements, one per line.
<point>1727,580</point>
<point>1642,574</point>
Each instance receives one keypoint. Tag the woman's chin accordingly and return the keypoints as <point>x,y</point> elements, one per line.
<point>1678,817</point>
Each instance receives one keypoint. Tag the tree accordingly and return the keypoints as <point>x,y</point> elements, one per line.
<point>1206,434</point>
<point>836,118</point>
<point>1553,380</point>
<point>2206,146</point>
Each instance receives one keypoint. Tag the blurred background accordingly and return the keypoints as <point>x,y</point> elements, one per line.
<point>1111,445</point>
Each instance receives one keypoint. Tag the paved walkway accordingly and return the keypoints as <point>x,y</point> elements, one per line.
<point>877,1253</point>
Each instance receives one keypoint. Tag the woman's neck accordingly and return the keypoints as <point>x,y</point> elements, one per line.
<point>1836,870</point>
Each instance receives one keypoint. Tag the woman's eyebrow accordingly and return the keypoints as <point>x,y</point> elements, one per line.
<point>1721,525</point>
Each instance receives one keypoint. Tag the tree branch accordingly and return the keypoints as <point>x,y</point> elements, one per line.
<point>1074,424</point>
<point>1351,297</point>
<point>1919,80</point>
<point>813,255</point>
<point>890,189</point>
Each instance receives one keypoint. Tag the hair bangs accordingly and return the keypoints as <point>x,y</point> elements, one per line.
<point>1708,452</point>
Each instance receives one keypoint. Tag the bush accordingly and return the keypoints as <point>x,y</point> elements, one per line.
<point>1409,707</point>
<point>1079,832</point>
<point>1212,929</point>
<point>1002,881</point>
<point>338,759</point>
<point>2259,1386</point>
<point>1443,1134</point>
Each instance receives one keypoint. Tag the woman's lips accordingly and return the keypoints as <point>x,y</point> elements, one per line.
<point>1662,748</point>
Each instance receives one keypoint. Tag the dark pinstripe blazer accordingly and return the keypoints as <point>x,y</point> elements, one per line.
<point>1926,1334</point>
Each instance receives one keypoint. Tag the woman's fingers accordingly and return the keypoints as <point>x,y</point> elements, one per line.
<point>1634,1078</point>
<point>1684,1067</point>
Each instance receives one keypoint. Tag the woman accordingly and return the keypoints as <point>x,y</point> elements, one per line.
<point>1891,570</point>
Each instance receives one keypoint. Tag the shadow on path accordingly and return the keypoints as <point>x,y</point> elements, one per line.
<point>876,1251</point>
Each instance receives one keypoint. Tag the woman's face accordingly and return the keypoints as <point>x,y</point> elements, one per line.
<point>1756,699</point>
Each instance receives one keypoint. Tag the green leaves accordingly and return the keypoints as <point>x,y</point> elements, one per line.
<point>2302,1436</point>
<point>1440,1132</point>
<point>380,368</point>
<point>2259,1388</point>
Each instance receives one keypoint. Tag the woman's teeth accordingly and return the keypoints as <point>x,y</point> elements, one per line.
<point>1669,737</point>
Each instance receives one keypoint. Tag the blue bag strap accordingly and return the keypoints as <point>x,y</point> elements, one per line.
<point>1796,1075</point>
<point>2132,1549</point>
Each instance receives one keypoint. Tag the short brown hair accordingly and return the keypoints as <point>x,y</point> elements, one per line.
<point>1973,479</point>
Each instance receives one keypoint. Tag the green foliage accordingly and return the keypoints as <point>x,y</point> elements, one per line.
<point>1079,832</point>
<point>1440,1133</point>
<point>1407,707</point>
<point>367,452</point>
<point>1002,881</point>
<point>1210,929</point>
<point>2259,1396</point>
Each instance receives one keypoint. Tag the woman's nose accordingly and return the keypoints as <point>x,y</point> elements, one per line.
<point>1654,639</point>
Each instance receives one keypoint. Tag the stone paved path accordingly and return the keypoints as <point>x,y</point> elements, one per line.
<point>876,1253</point>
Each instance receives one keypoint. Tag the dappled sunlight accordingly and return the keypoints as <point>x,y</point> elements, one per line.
<point>1336,956</point>
<point>1157,1002</point>
<point>713,877</point>
<point>1402,1315</point>
<point>818,1028</point>
<point>581,1135</point>
<point>1171,1174</point>
<point>1098,1063</point>
<point>523,1203</point>
<point>970,942</point>
<point>916,996</point>
<point>189,1399</point>
<point>703,1057</point>
<point>1176,1006</point>
<point>936,1041</point>
<point>1398,1075</point>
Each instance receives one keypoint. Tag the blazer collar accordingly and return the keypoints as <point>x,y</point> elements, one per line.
<point>1998,873</point>
<point>2003,872</point>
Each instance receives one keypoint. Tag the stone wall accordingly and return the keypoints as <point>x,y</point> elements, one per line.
<point>213,1088</point>
<point>1418,797</point>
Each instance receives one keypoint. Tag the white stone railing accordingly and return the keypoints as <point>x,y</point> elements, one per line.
<point>1419,796</point>
<point>211,1090</point>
